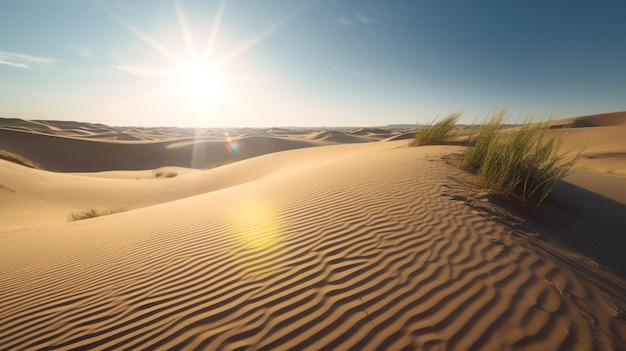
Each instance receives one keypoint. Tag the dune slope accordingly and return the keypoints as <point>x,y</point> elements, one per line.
<point>603,137</point>
<point>85,147</point>
<point>368,246</point>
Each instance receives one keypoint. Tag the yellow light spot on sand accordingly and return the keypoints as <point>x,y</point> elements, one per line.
<point>256,226</point>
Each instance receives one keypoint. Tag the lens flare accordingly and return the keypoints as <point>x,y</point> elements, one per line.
<point>256,226</point>
<point>232,146</point>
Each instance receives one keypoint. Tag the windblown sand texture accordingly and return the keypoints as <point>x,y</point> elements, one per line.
<point>357,243</point>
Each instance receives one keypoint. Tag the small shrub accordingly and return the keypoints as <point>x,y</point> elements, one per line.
<point>93,212</point>
<point>526,164</point>
<point>438,133</point>
<point>165,174</point>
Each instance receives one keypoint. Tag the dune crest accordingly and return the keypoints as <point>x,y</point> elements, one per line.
<point>86,147</point>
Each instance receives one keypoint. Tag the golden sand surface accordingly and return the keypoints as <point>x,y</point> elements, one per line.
<point>285,239</point>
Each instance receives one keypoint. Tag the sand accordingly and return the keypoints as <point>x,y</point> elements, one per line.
<point>313,239</point>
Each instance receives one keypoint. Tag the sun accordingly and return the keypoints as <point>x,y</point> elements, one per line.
<point>200,85</point>
<point>198,82</point>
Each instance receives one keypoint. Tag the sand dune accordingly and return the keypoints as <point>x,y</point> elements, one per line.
<point>355,246</point>
<point>403,136</point>
<point>603,136</point>
<point>599,120</point>
<point>84,147</point>
<point>69,154</point>
<point>337,136</point>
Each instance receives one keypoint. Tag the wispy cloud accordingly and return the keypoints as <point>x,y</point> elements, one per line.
<point>363,18</point>
<point>80,50</point>
<point>343,20</point>
<point>359,17</point>
<point>139,70</point>
<point>24,61</point>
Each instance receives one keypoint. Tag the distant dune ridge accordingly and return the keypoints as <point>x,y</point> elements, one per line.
<point>86,147</point>
<point>313,239</point>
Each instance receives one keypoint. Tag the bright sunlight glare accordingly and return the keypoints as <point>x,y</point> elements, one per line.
<point>200,85</point>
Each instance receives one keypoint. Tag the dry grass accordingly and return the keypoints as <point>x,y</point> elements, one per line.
<point>525,164</point>
<point>93,212</point>
<point>164,174</point>
<point>438,133</point>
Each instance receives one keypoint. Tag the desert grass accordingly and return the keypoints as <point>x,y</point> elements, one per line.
<point>219,164</point>
<point>526,164</point>
<point>15,158</point>
<point>438,133</point>
<point>480,141</point>
<point>164,174</point>
<point>93,212</point>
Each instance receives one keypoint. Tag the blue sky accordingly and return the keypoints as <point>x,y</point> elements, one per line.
<point>268,63</point>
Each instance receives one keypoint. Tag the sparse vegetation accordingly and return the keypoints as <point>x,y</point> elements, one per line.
<point>93,212</point>
<point>164,174</point>
<point>438,133</point>
<point>15,158</point>
<point>525,164</point>
<point>219,164</point>
<point>480,144</point>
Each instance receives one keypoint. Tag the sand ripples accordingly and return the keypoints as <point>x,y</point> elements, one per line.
<point>384,259</point>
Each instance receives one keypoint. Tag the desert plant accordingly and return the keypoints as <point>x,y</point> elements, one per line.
<point>438,133</point>
<point>526,164</point>
<point>93,212</point>
<point>480,144</point>
<point>164,174</point>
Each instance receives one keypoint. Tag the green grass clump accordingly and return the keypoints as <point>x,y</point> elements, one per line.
<point>438,133</point>
<point>93,212</point>
<point>488,132</point>
<point>525,164</point>
<point>164,174</point>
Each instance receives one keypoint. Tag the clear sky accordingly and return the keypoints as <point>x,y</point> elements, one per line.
<point>234,63</point>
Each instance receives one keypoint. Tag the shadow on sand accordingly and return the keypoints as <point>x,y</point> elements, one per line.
<point>586,231</point>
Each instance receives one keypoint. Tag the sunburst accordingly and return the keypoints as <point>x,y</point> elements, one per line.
<point>197,79</point>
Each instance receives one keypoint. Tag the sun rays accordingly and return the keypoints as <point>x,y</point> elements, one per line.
<point>200,85</point>
<point>198,79</point>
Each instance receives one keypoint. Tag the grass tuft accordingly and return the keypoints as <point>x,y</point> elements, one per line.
<point>481,143</point>
<point>164,174</point>
<point>93,212</point>
<point>525,164</point>
<point>438,133</point>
